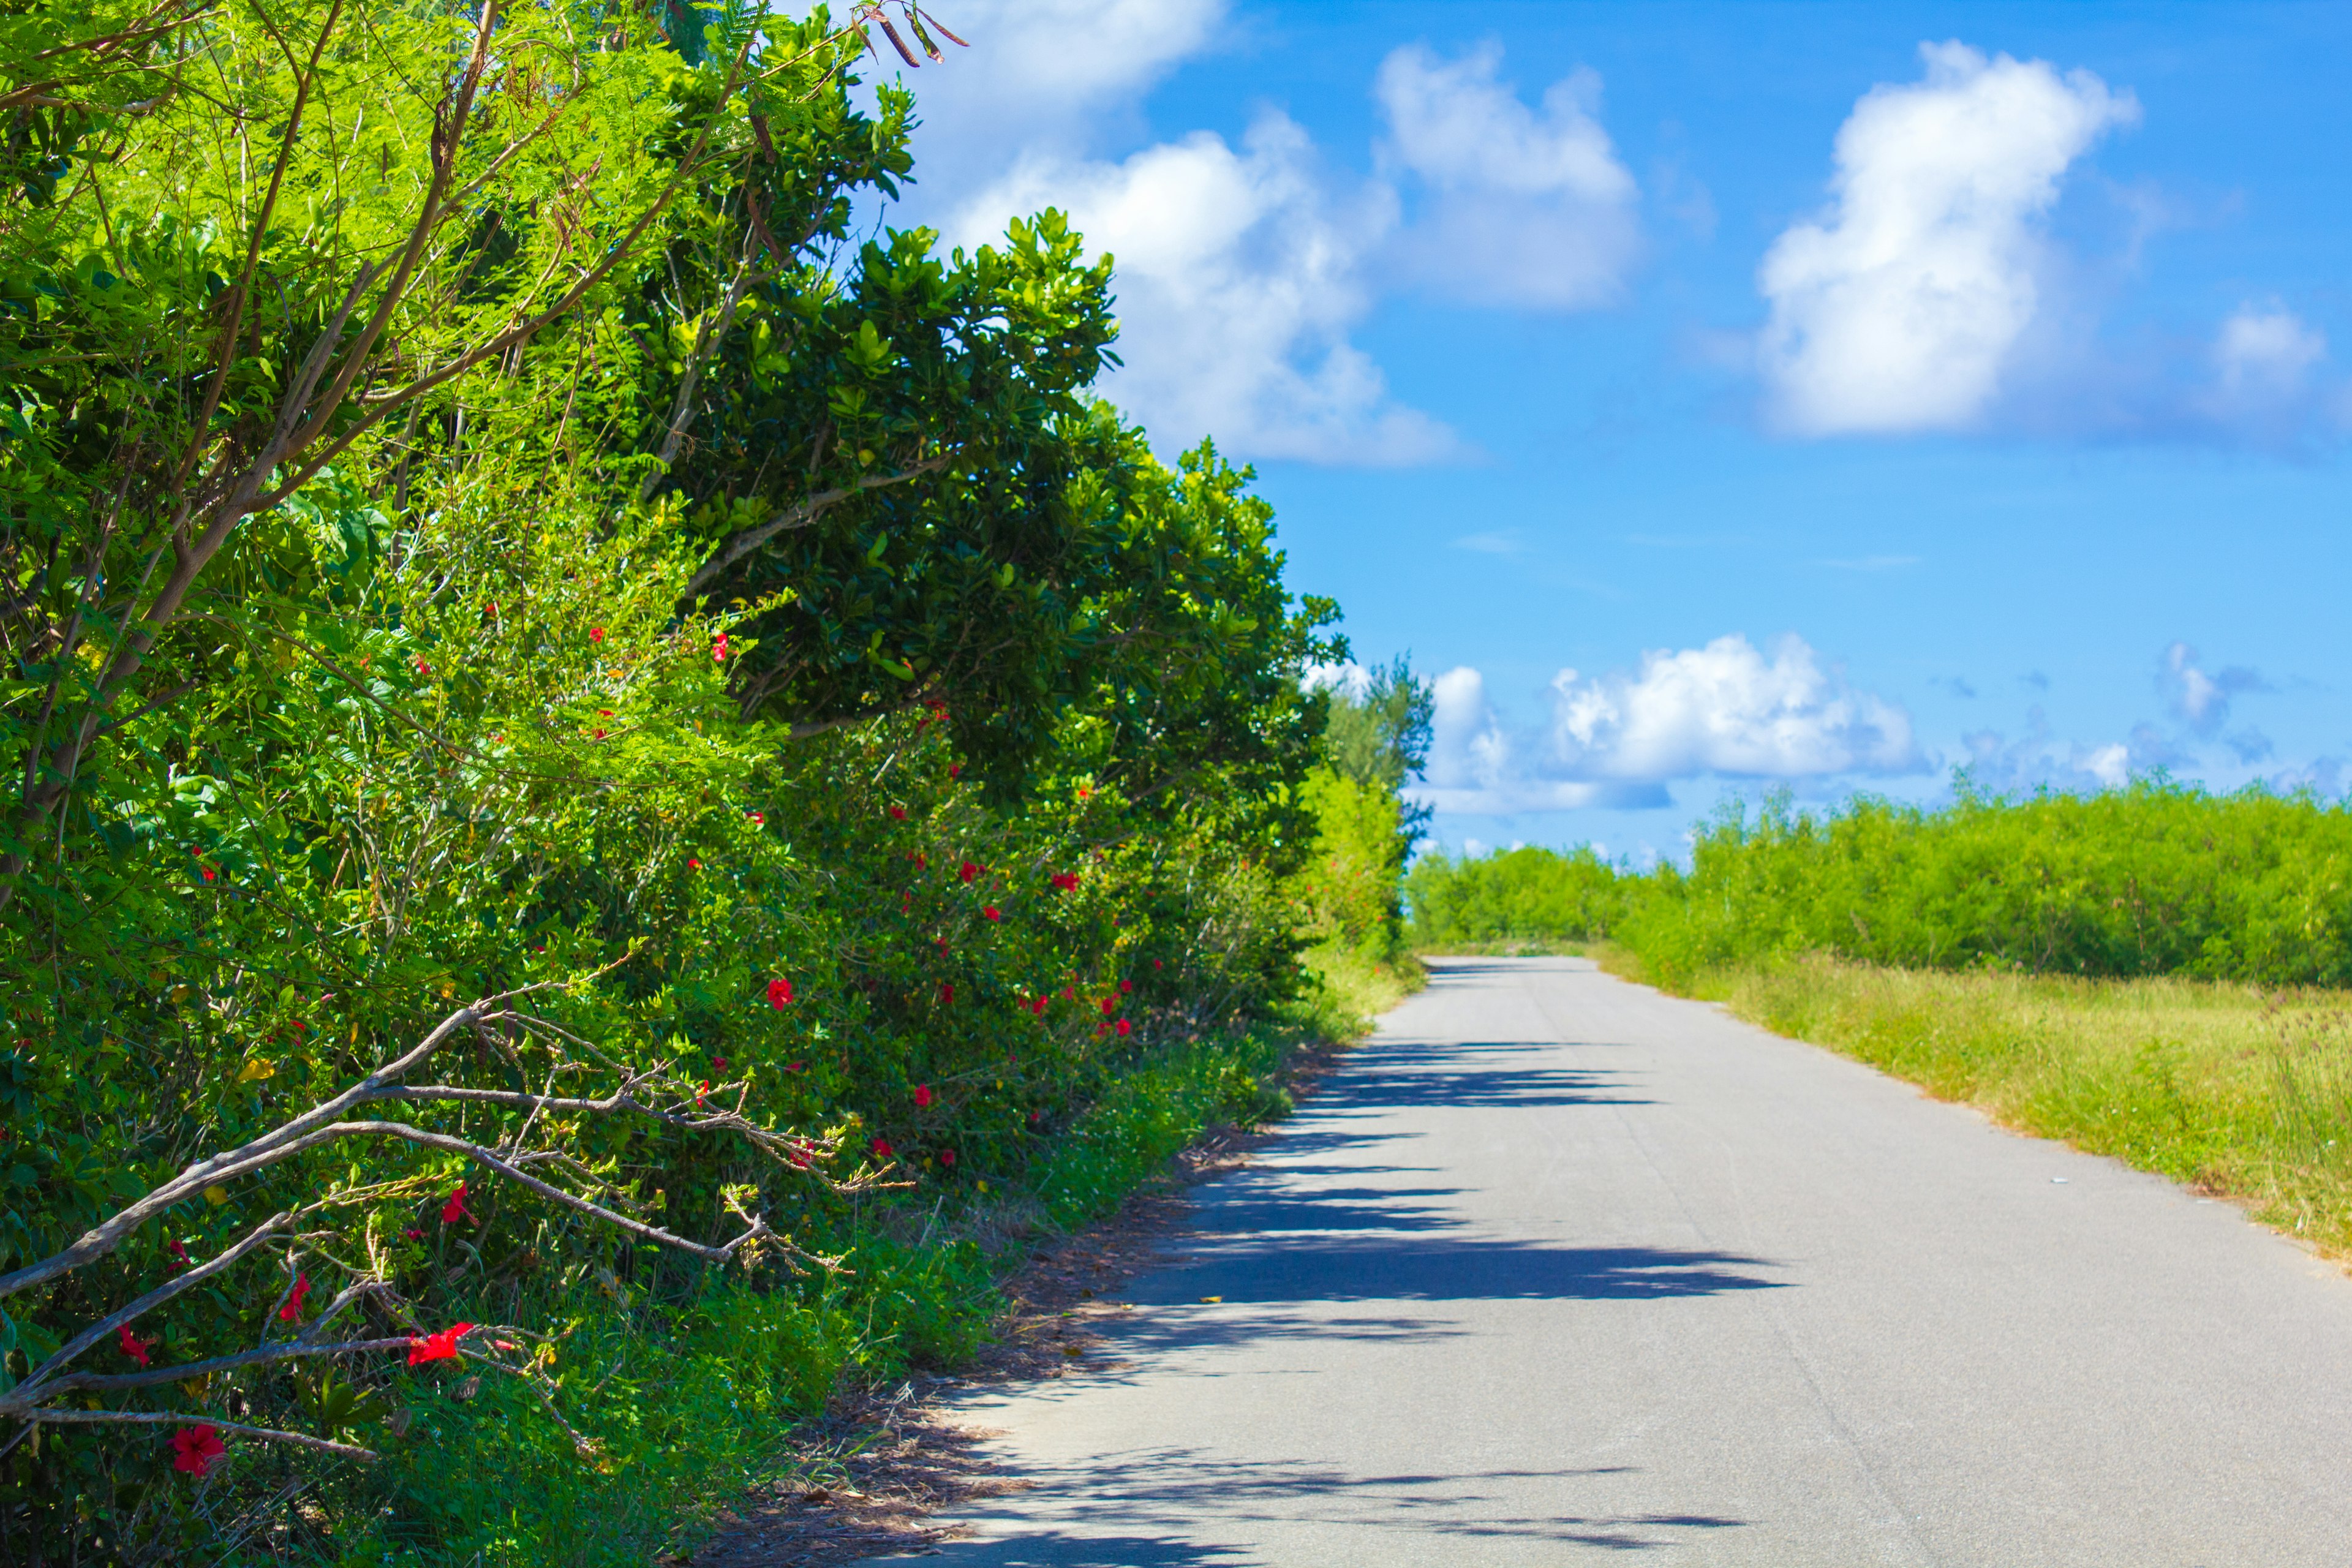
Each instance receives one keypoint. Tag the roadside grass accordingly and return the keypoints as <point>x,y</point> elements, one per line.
<point>1349,988</point>
<point>682,1405</point>
<point>2238,1091</point>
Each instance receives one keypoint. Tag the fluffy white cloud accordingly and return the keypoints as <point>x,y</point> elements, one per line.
<point>1238,277</point>
<point>1900,309</point>
<point>1726,710</point>
<point>1519,207</point>
<point>1040,73</point>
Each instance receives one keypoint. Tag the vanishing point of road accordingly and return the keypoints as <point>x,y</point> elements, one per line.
<point>1555,1269</point>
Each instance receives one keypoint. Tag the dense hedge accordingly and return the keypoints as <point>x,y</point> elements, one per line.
<point>880,776</point>
<point>2156,878</point>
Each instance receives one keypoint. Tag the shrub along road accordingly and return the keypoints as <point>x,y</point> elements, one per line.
<point>1555,1267</point>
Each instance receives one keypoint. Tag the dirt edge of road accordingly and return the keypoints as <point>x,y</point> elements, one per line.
<point>874,1478</point>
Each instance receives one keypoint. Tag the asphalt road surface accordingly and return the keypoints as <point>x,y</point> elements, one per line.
<point>1556,1271</point>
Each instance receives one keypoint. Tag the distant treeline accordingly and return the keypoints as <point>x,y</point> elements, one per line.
<point>2155,878</point>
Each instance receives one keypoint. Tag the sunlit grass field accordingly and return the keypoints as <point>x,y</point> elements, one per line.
<point>2236,1089</point>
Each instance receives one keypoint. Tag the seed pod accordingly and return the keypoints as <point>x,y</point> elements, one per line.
<point>898,43</point>
<point>951,37</point>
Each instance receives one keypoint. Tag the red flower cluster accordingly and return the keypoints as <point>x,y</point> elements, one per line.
<point>922,1094</point>
<point>946,990</point>
<point>779,992</point>
<point>968,872</point>
<point>1126,987</point>
<point>1038,1007</point>
<point>1067,881</point>
<point>719,648</point>
<point>947,1158</point>
<point>1124,1028</point>
<point>442,1346</point>
<point>1109,1006</point>
<point>991,913</point>
<point>955,769</point>
<point>595,634</point>
<point>194,1448</point>
<point>133,1345</point>
<point>898,814</point>
<point>881,1148</point>
<point>455,1209</point>
<point>292,1311</point>
<point>692,864</point>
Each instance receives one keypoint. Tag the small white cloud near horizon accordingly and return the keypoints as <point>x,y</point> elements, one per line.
<point>1900,307</point>
<point>1516,206</point>
<point>1618,739</point>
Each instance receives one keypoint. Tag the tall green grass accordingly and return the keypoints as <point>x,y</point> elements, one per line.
<point>2156,878</point>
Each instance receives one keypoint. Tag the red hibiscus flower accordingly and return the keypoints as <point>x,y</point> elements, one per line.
<point>598,734</point>
<point>1109,1006</point>
<point>1123,1026</point>
<point>759,820</point>
<point>413,1233</point>
<point>692,864</point>
<point>898,814</point>
<point>922,1094</point>
<point>595,634</point>
<point>955,769</point>
<point>968,872</point>
<point>1155,964</point>
<point>133,1345</point>
<point>1038,1007</point>
<point>194,1448</point>
<point>946,990</point>
<point>719,648</point>
<point>719,1064</point>
<point>292,1311</point>
<point>797,1067</point>
<point>881,1148</point>
<point>455,1209</point>
<point>1084,792</point>
<point>947,1158</point>
<point>442,1346</point>
<point>991,913</point>
<point>1067,881</point>
<point>779,992</point>
<point>796,1154</point>
<point>1125,986</point>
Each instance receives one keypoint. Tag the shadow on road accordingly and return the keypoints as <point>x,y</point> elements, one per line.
<point>1180,1487</point>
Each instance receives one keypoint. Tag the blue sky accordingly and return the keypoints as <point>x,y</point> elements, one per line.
<point>1716,398</point>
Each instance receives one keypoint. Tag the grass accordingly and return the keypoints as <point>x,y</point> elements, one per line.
<point>2238,1091</point>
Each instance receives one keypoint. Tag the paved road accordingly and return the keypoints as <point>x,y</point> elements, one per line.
<point>1558,1270</point>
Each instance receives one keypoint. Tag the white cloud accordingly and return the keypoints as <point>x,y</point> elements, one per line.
<point>1619,739</point>
<point>1238,278</point>
<point>2262,360</point>
<point>1041,73</point>
<point>1900,309</point>
<point>2198,699</point>
<point>1724,709</point>
<point>1519,207</point>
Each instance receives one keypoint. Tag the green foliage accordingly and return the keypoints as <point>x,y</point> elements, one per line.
<point>2156,878</point>
<point>1529,894</point>
<point>470,521</point>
